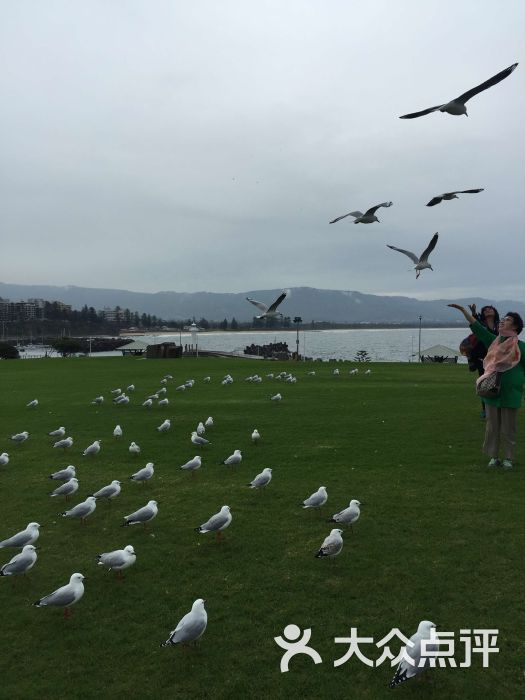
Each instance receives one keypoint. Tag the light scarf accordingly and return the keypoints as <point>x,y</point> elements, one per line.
<point>501,355</point>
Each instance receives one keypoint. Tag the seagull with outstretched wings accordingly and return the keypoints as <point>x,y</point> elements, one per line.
<point>421,262</point>
<point>268,311</point>
<point>367,218</point>
<point>458,106</point>
<point>451,195</point>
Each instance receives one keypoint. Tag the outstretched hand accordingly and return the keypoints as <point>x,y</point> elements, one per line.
<point>457,306</point>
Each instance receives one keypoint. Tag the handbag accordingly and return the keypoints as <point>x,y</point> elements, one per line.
<point>489,387</point>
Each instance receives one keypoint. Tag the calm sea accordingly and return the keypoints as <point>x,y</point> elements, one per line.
<point>383,345</point>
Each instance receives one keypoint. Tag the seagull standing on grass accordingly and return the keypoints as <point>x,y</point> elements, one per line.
<point>58,433</point>
<point>118,560</point>
<point>317,499</point>
<point>349,515</point>
<point>450,195</point>
<point>262,479</point>
<point>367,218</point>
<point>148,403</point>
<point>27,536</point>
<point>66,596</point>
<point>407,670</point>
<point>165,426</point>
<point>64,474</point>
<point>66,489</point>
<point>198,440</point>
<point>421,262</point>
<point>66,442</point>
<point>191,627</point>
<point>32,404</point>
<point>98,400</point>
<point>143,515</point>
<point>117,432</point>
<point>276,397</point>
<point>81,510</point>
<point>233,460</point>
<point>209,422</point>
<point>268,311</point>
<point>110,491</point>
<point>332,545</point>
<point>217,523</point>
<point>20,563</point>
<point>134,449</point>
<point>92,449</point>
<point>164,402</point>
<point>192,465</point>
<point>256,436</point>
<point>4,459</point>
<point>458,106</point>
<point>20,437</point>
<point>144,474</point>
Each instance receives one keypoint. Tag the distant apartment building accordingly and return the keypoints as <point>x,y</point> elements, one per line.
<point>113,315</point>
<point>28,310</point>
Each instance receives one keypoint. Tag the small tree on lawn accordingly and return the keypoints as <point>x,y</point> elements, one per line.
<point>362,356</point>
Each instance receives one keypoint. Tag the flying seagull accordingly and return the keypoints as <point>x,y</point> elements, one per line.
<point>451,195</point>
<point>421,262</point>
<point>268,311</point>
<point>367,218</point>
<point>457,106</point>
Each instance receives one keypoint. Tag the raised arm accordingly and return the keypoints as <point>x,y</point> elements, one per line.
<point>468,316</point>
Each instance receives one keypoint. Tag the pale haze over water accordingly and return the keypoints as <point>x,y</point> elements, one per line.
<point>382,345</point>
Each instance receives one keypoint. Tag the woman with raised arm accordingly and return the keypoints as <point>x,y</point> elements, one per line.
<point>488,317</point>
<point>506,356</point>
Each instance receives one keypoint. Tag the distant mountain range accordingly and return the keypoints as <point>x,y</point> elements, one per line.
<point>309,303</point>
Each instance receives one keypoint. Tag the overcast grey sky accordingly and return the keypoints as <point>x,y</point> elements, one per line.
<point>204,145</point>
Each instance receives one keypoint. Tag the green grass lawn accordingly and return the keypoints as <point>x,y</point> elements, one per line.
<point>440,537</point>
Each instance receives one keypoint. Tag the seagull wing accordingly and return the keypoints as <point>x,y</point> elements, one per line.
<point>276,303</point>
<point>412,256</point>
<point>331,545</point>
<point>434,201</point>
<point>62,596</point>
<point>468,191</point>
<point>487,84</point>
<point>430,247</point>
<point>258,304</point>
<point>413,115</point>
<point>372,210</point>
<point>112,559</point>
<point>352,213</point>
<point>215,522</point>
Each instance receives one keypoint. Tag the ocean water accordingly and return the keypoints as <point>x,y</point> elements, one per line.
<point>382,345</point>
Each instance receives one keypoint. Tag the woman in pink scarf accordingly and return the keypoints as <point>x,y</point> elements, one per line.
<point>506,354</point>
